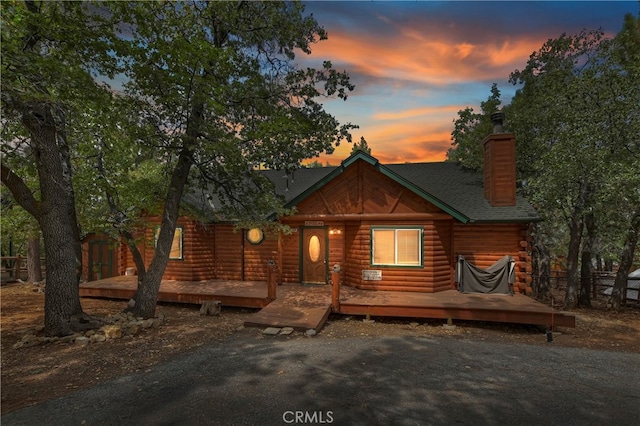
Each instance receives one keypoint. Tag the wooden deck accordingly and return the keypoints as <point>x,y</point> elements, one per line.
<point>305,307</point>
<point>247,294</point>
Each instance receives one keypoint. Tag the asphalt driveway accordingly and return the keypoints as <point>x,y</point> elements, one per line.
<point>362,381</point>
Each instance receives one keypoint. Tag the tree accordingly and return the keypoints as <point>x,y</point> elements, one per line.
<point>361,146</point>
<point>576,123</point>
<point>574,113</point>
<point>212,88</point>
<point>626,52</point>
<point>47,52</point>
<point>470,129</point>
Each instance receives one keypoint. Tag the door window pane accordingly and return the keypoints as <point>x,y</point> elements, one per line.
<point>314,248</point>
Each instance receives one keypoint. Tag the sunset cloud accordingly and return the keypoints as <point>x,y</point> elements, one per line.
<point>416,64</point>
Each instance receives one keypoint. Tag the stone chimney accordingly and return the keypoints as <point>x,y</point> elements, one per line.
<point>499,165</point>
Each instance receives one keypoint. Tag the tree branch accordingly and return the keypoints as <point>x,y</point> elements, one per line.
<point>20,191</point>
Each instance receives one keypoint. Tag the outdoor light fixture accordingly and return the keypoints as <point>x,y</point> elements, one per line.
<point>255,235</point>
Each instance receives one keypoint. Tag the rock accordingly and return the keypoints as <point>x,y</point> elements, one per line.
<point>28,338</point>
<point>83,341</point>
<point>211,307</point>
<point>97,338</point>
<point>132,330</point>
<point>160,316</point>
<point>414,324</point>
<point>310,332</point>
<point>157,323</point>
<point>286,331</point>
<point>38,328</point>
<point>90,333</point>
<point>67,339</point>
<point>112,331</point>
<point>271,331</point>
<point>148,323</point>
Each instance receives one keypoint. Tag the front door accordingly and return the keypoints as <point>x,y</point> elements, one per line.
<point>314,255</point>
<point>100,260</point>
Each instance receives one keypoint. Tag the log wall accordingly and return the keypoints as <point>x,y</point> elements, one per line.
<point>258,256</point>
<point>228,252</point>
<point>435,274</point>
<point>484,244</point>
<point>290,252</point>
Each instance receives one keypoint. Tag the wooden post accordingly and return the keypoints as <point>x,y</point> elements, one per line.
<point>272,279</point>
<point>17,265</point>
<point>335,291</point>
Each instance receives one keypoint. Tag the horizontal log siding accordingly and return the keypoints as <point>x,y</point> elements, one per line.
<point>257,256</point>
<point>357,253</point>
<point>484,244</point>
<point>336,246</point>
<point>199,250</point>
<point>435,275</point>
<point>290,257</point>
<point>228,253</point>
<point>439,255</point>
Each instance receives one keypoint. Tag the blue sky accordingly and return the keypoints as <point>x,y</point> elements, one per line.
<point>416,64</point>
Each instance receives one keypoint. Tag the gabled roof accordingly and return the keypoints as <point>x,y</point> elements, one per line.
<point>452,188</point>
<point>455,190</point>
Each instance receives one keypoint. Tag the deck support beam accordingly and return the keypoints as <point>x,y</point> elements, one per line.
<point>335,291</point>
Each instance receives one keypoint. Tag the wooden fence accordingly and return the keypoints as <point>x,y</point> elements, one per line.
<point>601,285</point>
<point>14,268</point>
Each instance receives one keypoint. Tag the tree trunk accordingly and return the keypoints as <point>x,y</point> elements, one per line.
<point>146,296</point>
<point>576,225</point>
<point>619,292</point>
<point>57,218</point>
<point>586,267</point>
<point>541,264</point>
<point>34,268</point>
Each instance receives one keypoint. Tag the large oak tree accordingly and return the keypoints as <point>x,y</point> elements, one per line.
<point>205,92</point>
<point>48,49</point>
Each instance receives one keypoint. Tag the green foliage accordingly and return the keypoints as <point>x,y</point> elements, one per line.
<point>576,118</point>
<point>218,79</point>
<point>361,146</point>
<point>470,129</point>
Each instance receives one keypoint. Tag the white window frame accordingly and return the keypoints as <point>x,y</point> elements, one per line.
<point>396,229</point>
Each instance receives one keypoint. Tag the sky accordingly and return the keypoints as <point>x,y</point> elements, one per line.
<point>415,64</point>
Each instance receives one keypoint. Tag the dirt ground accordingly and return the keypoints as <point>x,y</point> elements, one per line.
<point>47,370</point>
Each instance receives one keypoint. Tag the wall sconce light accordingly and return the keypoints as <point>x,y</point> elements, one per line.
<point>335,231</point>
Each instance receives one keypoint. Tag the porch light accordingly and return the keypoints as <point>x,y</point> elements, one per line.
<point>255,235</point>
<point>335,231</point>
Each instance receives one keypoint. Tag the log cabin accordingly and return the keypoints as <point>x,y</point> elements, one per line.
<point>384,226</point>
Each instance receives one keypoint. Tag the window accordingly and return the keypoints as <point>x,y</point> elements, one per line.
<point>396,246</point>
<point>176,245</point>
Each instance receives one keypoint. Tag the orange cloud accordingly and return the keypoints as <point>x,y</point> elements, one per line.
<point>429,58</point>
